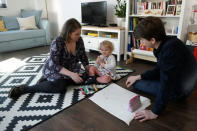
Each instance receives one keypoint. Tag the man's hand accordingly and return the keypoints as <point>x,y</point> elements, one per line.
<point>132,79</point>
<point>145,115</point>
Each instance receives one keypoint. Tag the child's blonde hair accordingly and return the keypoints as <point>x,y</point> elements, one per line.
<point>107,44</point>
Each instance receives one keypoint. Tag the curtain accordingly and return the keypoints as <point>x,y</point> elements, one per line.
<point>3,3</point>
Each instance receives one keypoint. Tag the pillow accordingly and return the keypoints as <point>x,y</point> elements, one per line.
<point>2,26</point>
<point>11,23</point>
<point>27,23</point>
<point>27,13</point>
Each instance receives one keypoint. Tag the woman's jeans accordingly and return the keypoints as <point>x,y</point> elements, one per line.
<point>56,86</point>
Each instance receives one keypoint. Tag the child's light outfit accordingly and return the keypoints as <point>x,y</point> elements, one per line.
<point>105,74</point>
<point>109,68</point>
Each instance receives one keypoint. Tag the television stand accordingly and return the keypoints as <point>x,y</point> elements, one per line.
<point>94,35</point>
<point>102,25</point>
<point>95,25</point>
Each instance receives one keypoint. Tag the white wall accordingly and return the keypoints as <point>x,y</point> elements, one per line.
<point>14,7</point>
<point>58,10</point>
<point>186,18</point>
<point>61,10</point>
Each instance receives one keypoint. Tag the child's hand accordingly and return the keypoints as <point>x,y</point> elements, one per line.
<point>98,60</point>
<point>102,65</point>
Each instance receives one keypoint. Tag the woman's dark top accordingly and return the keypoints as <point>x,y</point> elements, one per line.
<point>176,71</point>
<point>60,57</point>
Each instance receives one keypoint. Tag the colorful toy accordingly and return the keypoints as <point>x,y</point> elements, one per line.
<point>142,46</point>
<point>91,87</point>
<point>82,91</point>
<point>86,90</point>
<point>95,88</point>
<point>134,103</point>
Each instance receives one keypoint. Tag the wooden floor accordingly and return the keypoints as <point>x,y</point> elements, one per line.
<point>87,116</point>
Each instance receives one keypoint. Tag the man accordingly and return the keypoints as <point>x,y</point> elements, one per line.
<point>175,74</point>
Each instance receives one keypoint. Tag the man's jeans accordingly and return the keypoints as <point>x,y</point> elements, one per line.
<point>148,86</point>
<point>152,87</point>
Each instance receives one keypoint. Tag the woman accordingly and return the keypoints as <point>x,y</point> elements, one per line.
<point>62,67</point>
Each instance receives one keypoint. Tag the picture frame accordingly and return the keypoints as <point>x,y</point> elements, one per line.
<point>178,9</point>
<point>171,10</point>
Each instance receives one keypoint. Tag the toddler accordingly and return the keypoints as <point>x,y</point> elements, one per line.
<point>105,66</point>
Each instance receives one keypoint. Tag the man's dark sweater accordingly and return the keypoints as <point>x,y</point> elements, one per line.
<point>176,71</point>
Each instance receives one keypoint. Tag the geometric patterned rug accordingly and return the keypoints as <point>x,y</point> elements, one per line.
<point>31,109</point>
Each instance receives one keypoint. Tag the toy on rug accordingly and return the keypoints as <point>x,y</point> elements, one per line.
<point>88,88</point>
<point>134,103</point>
<point>95,88</point>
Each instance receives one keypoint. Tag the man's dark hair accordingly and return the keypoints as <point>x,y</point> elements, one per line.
<point>150,27</point>
<point>69,26</point>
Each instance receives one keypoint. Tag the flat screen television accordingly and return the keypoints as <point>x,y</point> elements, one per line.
<point>94,13</point>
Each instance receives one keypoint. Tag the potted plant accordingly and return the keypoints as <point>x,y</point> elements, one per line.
<point>120,12</point>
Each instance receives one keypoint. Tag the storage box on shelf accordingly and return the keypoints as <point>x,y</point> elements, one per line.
<point>174,21</point>
<point>93,36</point>
<point>192,33</point>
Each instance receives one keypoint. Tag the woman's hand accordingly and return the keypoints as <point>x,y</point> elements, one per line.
<point>145,115</point>
<point>132,79</point>
<point>76,78</point>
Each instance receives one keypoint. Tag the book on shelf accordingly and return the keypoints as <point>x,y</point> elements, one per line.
<point>133,22</point>
<point>137,44</point>
<point>170,27</point>
<point>143,7</point>
<point>130,42</point>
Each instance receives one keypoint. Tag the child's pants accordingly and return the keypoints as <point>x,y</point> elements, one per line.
<point>102,78</point>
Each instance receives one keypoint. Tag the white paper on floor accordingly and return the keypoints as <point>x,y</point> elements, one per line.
<point>115,100</point>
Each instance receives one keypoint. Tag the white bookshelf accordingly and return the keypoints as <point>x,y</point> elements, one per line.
<point>161,16</point>
<point>92,42</point>
<point>181,21</point>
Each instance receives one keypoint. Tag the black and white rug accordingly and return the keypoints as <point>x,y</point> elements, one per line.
<point>31,109</point>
